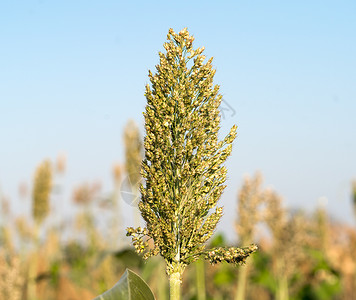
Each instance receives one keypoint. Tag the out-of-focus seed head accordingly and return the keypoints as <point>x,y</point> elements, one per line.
<point>41,191</point>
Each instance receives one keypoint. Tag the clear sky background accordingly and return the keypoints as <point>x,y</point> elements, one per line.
<point>73,72</point>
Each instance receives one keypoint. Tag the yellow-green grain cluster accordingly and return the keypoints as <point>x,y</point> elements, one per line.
<point>183,167</point>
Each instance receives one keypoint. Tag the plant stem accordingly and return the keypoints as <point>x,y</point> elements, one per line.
<point>200,277</point>
<point>241,283</point>
<point>283,288</point>
<point>174,286</point>
<point>33,264</point>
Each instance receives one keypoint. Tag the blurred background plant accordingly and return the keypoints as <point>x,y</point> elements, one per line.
<point>250,202</point>
<point>353,196</point>
<point>41,192</point>
<point>133,158</point>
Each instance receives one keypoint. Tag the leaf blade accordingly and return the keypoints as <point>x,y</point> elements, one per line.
<point>130,287</point>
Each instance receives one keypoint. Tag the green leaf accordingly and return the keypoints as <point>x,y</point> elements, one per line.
<point>129,287</point>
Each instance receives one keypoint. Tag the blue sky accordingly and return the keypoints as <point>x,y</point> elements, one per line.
<point>73,72</point>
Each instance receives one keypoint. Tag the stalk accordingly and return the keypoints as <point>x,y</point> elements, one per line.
<point>241,283</point>
<point>282,293</point>
<point>174,286</point>
<point>33,265</point>
<point>200,279</point>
